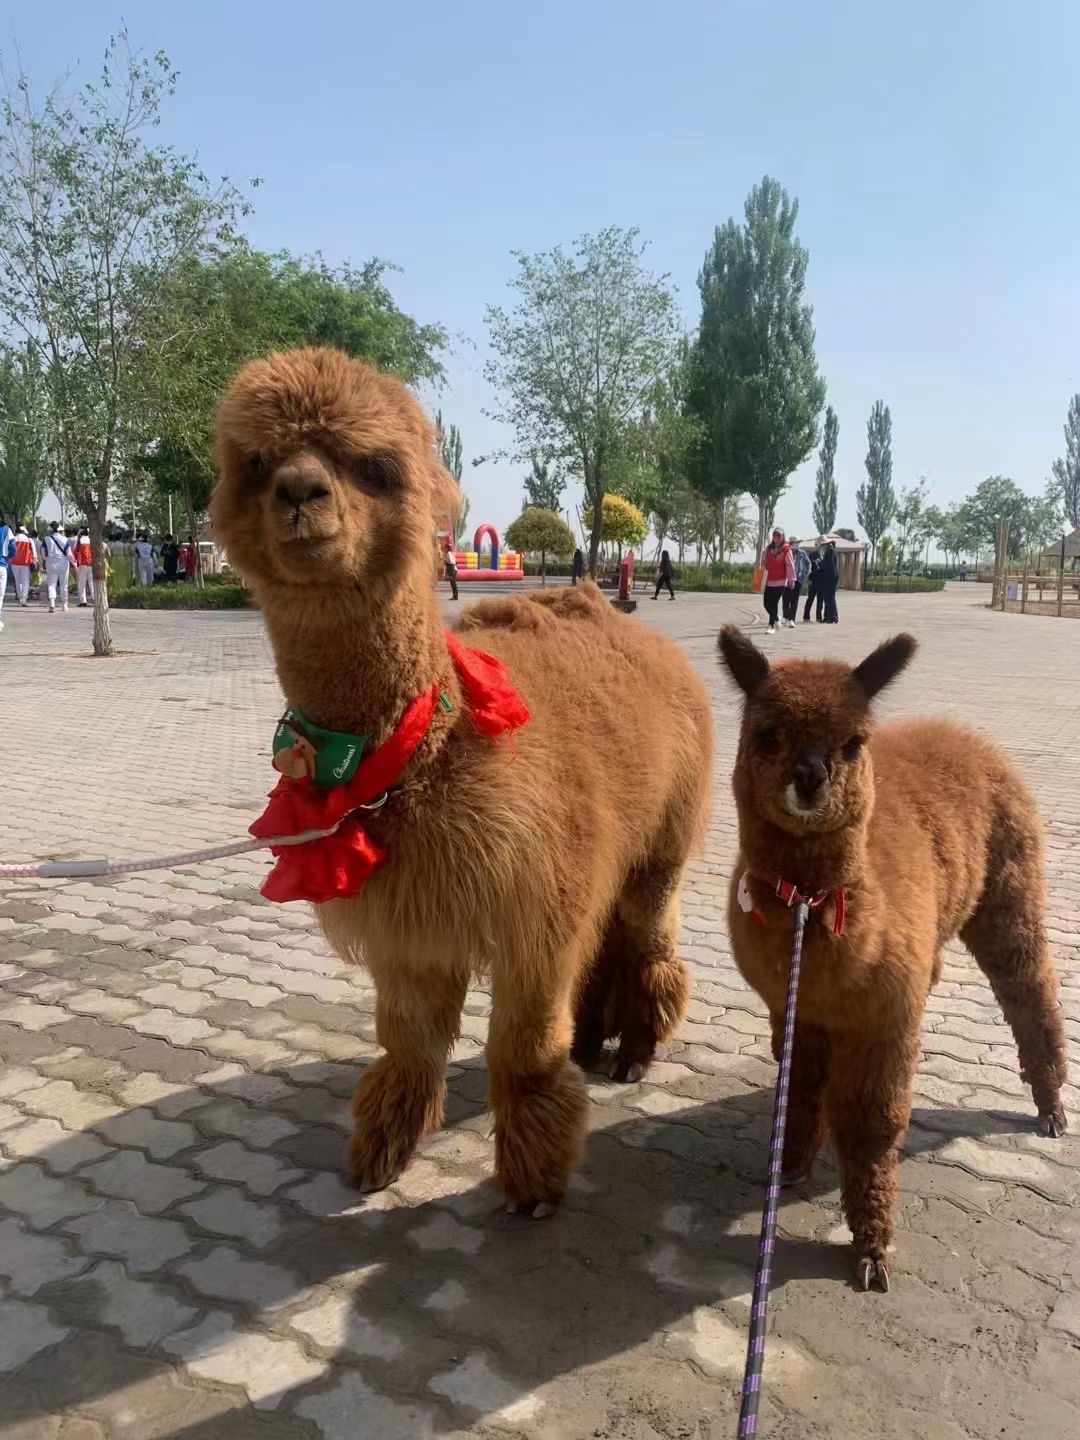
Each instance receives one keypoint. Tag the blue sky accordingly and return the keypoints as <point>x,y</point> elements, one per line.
<point>933,149</point>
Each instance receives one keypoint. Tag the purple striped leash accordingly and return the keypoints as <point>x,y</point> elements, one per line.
<point>755,1349</point>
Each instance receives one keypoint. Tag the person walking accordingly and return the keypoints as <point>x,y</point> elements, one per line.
<point>450,566</point>
<point>779,565</point>
<point>829,582</point>
<point>577,568</point>
<point>170,558</point>
<point>23,560</point>
<point>663,577</point>
<point>144,559</point>
<point>57,549</point>
<point>189,558</point>
<point>7,554</point>
<point>813,591</point>
<point>791,596</point>
<point>83,561</point>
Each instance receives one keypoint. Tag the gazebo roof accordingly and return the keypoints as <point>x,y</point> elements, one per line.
<point>844,546</point>
<point>1072,547</point>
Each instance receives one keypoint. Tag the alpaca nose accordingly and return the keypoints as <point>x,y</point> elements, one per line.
<point>297,486</point>
<point>811,773</point>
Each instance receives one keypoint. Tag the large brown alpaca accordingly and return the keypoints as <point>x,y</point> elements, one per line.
<point>919,831</point>
<point>549,860</point>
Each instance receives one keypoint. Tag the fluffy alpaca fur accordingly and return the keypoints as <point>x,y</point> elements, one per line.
<point>932,834</point>
<point>550,860</point>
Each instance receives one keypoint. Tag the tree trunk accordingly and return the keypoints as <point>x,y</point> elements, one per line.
<point>103,643</point>
<point>594,535</point>
<point>194,533</point>
<point>543,567</point>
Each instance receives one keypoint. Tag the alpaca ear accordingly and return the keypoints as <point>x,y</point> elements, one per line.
<point>881,667</point>
<point>748,666</point>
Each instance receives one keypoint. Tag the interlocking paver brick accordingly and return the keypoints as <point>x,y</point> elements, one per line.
<point>117,1228</point>
<point>40,1199</point>
<point>59,1149</point>
<point>24,1331</point>
<point>266,1368</point>
<point>225,1211</point>
<point>28,1261</point>
<point>128,1175</point>
<point>258,1172</point>
<point>228,1275</point>
<point>142,1128</point>
<point>142,1311</point>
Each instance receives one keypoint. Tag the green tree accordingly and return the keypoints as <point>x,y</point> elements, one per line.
<point>911,521</point>
<point>577,359</point>
<point>1067,470</point>
<point>544,484</point>
<point>997,498</point>
<point>94,223</point>
<point>875,499</point>
<point>461,522</point>
<point>219,312</point>
<point>952,529</point>
<point>622,523</point>
<point>754,386</point>
<point>536,531</point>
<point>24,434</point>
<point>449,443</point>
<point>825,484</point>
<point>1042,519</point>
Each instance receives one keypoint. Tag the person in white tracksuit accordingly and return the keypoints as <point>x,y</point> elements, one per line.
<point>22,562</point>
<point>83,561</point>
<point>144,559</point>
<point>57,549</point>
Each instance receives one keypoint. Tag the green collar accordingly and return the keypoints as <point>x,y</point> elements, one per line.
<point>326,757</point>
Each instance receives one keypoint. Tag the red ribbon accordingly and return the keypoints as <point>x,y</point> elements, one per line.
<point>790,895</point>
<point>334,867</point>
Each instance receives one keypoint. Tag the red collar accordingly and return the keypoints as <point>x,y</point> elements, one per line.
<point>334,867</point>
<point>789,895</point>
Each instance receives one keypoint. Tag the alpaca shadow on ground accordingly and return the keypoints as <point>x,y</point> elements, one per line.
<point>446,1303</point>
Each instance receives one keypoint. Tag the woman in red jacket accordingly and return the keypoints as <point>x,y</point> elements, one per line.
<point>779,566</point>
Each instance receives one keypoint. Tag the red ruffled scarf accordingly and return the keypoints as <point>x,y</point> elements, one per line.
<point>334,867</point>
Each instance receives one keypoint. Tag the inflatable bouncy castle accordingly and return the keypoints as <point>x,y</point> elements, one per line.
<point>490,564</point>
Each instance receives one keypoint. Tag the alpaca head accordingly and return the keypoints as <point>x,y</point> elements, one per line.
<point>328,476</point>
<point>803,763</point>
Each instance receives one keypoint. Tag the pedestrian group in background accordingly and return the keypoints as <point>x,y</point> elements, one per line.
<point>785,569</point>
<point>24,555</point>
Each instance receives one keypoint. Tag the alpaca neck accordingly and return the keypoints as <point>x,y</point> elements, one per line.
<point>352,662</point>
<point>812,861</point>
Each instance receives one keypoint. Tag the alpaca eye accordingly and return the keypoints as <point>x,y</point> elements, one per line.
<point>766,742</point>
<point>257,467</point>
<point>379,474</point>
<point>853,747</point>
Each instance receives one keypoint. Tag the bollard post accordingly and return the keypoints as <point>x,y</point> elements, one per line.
<point>625,601</point>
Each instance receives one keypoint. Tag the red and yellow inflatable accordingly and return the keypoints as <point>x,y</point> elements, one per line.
<point>492,565</point>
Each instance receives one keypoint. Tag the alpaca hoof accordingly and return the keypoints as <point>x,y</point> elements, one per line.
<point>1052,1123</point>
<point>627,1071</point>
<point>539,1135</point>
<point>870,1272</point>
<point>540,1211</point>
<point>391,1115</point>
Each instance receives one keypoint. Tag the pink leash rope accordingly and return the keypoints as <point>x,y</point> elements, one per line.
<point>81,869</point>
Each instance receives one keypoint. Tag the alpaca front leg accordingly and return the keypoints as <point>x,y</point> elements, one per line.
<point>805,1119</point>
<point>537,1092</point>
<point>399,1098</point>
<point>868,1103</point>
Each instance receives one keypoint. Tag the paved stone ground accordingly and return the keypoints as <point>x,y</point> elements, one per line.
<point>179,1255</point>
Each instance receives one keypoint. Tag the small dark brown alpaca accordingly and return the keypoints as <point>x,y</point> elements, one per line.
<point>549,860</point>
<point>902,837</point>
